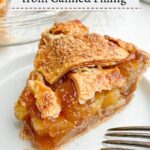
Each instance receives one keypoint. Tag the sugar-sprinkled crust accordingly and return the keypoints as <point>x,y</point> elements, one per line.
<point>69,45</point>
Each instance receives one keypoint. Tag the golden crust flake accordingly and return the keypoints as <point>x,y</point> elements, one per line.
<point>46,100</point>
<point>89,82</point>
<point>75,28</point>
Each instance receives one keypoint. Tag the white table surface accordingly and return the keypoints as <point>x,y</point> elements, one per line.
<point>132,26</point>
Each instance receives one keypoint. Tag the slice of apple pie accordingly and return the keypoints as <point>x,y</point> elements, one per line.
<point>79,80</point>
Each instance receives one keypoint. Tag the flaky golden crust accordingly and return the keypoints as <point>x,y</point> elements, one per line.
<point>58,53</point>
<point>74,28</point>
<point>131,48</point>
<point>88,82</point>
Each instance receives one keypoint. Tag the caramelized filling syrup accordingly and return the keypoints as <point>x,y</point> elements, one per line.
<point>47,134</point>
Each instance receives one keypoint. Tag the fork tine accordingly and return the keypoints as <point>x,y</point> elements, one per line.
<point>134,128</point>
<point>129,134</point>
<point>115,149</point>
<point>128,143</point>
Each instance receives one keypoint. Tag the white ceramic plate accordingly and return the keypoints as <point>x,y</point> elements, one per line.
<point>13,76</point>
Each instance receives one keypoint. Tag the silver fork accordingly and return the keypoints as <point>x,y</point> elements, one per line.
<point>132,132</point>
